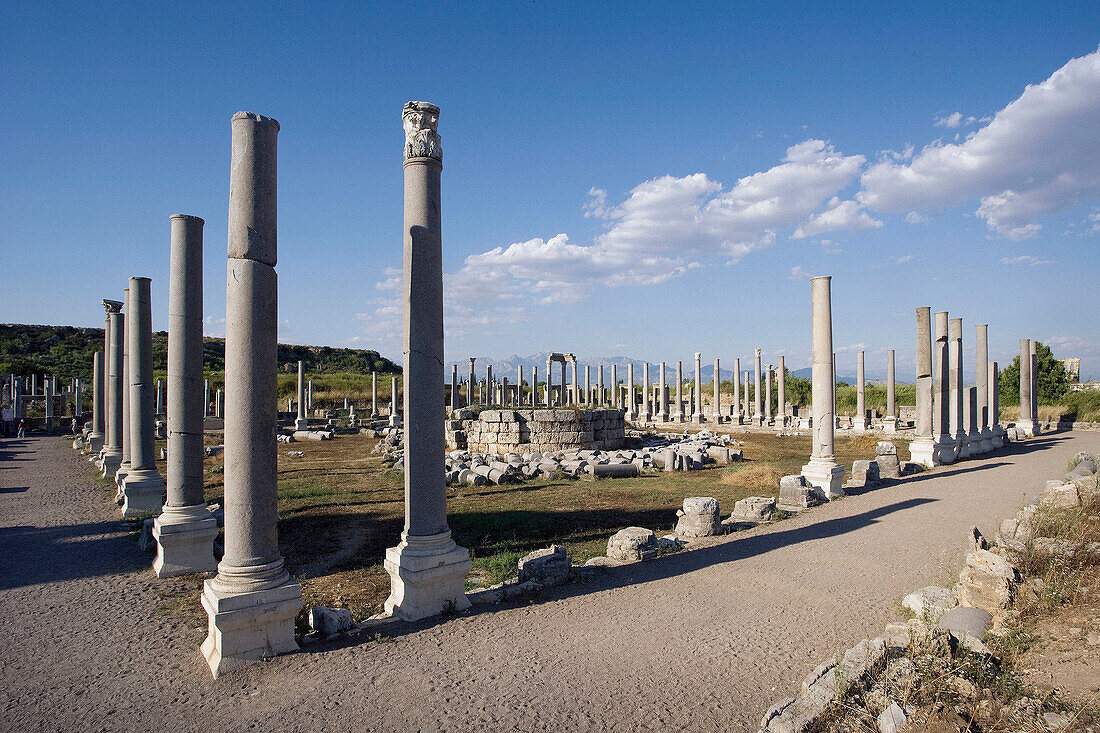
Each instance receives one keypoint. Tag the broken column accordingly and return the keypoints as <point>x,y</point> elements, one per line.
<point>185,529</point>
<point>890,422</point>
<point>768,394</point>
<point>697,407</point>
<point>1035,386</point>
<point>822,471</point>
<point>647,415</point>
<point>757,396</point>
<point>994,380</point>
<point>427,569</point>
<point>861,395</point>
<point>679,415</point>
<point>981,382</point>
<point>95,438</point>
<point>716,408</point>
<point>143,487</point>
<point>253,601</point>
<point>662,394</point>
<point>301,423</point>
<point>111,456</point>
<point>1026,424</point>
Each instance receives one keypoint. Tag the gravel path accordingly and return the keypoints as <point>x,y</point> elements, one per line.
<point>703,640</point>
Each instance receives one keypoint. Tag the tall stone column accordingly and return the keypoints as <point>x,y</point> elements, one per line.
<point>757,397</point>
<point>768,394</point>
<point>737,417</point>
<point>47,392</point>
<point>309,395</point>
<point>599,386</point>
<point>970,420</point>
<point>160,398</point>
<point>549,384</point>
<point>395,416</point>
<point>994,381</point>
<point>890,422</point>
<point>679,416</point>
<point>748,398</point>
<point>1036,422</point>
<point>253,601</point>
<point>534,385</point>
<point>958,390</point>
<point>716,408</point>
<point>614,388</point>
<point>647,407</point>
<point>143,487</point>
<point>454,385</point>
<point>124,466</point>
<point>301,423</point>
<point>662,394</point>
<point>489,391</point>
<point>697,408</point>
<point>185,530</point>
<point>981,383</point>
<point>781,386</point>
<point>110,458</point>
<point>1026,423</point>
<point>861,395</point>
<point>206,398</point>
<point>374,395</point>
<point>95,438</point>
<point>946,447</point>
<point>470,384</point>
<point>631,403</point>
<point>576,385</point>
<point>822,471</point>
<point>427,569</point>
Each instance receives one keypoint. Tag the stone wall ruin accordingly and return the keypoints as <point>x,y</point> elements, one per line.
<point>505,431</point>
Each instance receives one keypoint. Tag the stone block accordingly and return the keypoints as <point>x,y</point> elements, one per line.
<point>930,602</point>
<point>632,543</point>
<point>547,567</point>
<point>329,621</point>
<point>796,494</point>
<point>1065,496</point>
<point>864,473</point>
<point>699,517</point>
<point>966,625</point>
<point>754,509</point>
<point>988,581</point>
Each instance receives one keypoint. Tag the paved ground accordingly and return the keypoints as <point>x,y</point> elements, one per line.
<point>704,640</point>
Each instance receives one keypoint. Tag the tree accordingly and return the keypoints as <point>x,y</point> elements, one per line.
<point>1053,378</point>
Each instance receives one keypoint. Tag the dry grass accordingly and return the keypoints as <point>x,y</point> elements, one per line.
<point>752,474</point>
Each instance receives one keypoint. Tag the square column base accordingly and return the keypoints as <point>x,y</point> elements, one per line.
<point>923,451</point>
<point>827,475</point>
<point>109,464</point>
<point>889,424</point>
<point>986,436</point>
<point>1028,428</point>
<point>142,492</point>
<point>246,627</point>
<point>427,576</point>
<point>947,450</point>
<point>185,541</point>
<point>998,438</point>
<point>120,475</point>
<point>301,424</point>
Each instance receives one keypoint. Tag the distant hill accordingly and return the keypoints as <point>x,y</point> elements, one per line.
<point>67,352</point>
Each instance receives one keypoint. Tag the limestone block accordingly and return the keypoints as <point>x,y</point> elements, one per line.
<point>988,581</point>
<point>547,567</point>
<point>796,494</point>
<point>1065,496</point>
<point>967,626</point>
<point>864,473</point>
<point>699,517</point>
<point>888,465</point>
<point>754,509</point>
<point>632,543</point>
<point>885,448</point>
<point>330,621</point>
<point>930,602</point>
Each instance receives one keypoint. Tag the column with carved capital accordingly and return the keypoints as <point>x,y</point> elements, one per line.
<point>822,471</point>
<point>110,457</point>
<point>427,569</point>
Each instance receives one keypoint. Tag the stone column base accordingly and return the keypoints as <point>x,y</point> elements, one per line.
<point>142,492</point>
<point>974,443</point>
<point>826,475</point>
<point>998,438</point>
<point>962,446</point>
<point>109,463</point>
<point>248,626</point>
<point>889,424</point>
<point>946,451</point>
<point>301,424</point>
<point>395,421</point>
<point>121,473</point>
<point>427,576</point>
<point>185,541</point>
<point>923,451</point>
<point>986,436</point>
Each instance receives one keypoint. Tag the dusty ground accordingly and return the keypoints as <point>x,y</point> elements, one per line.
<point>703,640</point>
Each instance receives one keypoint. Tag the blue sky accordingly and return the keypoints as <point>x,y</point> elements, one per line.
<point>646,179</point>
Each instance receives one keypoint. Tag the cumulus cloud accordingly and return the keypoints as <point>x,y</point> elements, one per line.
<point>1035,157</point>
<point>952,120</point>
<point>1025,260</point>
<point>797,273</point>
<point>841,215</point>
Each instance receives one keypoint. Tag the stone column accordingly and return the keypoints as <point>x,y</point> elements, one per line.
<point>822,471</point>
<point>757,397</point>
<point>599,386</point>
<point>861,395</point>
<point>923,447</point>
<point>631,405</point>
<point>219,404</point>
<point>1026,423</point>
<point>737,417</point>
<point>185,530</point>
<point>470,384</point>
<point>716,408</point>
<point>110,456</point>
<point>489,391</point>
<point>768,394</point>
<point>124,466</point>
<point>301,423</point>
<point>748,398</point>
<point>970,420</point>
<point>981,383</point>
<point>890,422</point>
<point>576,384</point>
<point>427,569</point>
<point>647,407</point>
<point>253,601</point>
<point>47,393</point>
<point>958,389</point>
<point>206,398</point>
<point>454,385</point>
<point>697,393</point>
<point>679,416</point>
<point>614,388</point>
<point>549,385</point>
<point>143,487</point>
<point>160,397</point>
<point>946,448</point>
<point>781,397</point>
<point>534,385</point>
<point>374,395</point>
<point>994,381</point>
<point>1036,422</point>
<point>395,417</point>
<point>95,438</point>
<point>662,394</point>
<point>309,395</point>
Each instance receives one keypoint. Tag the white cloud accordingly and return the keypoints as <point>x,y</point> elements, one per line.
<point>841,215</point>
<point>596,206</point>
<point>914,217</point>
<point>903,259</point>
<point>797,273</point>
<point>952,120</point>
<point>1025,260</point>
<point>1036,156</point>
